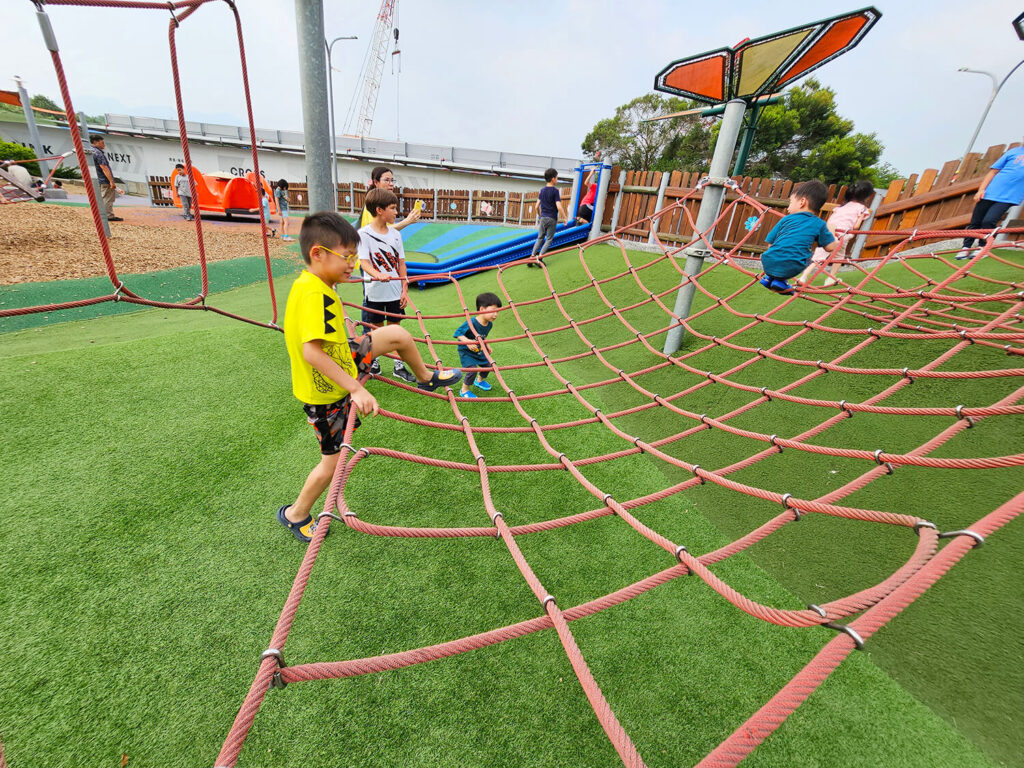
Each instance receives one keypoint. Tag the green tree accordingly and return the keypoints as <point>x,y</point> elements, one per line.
<point>45,102</point>
<point>629,141</point>
<point>11,151</point>
<point>804,137</point>
<point>801,137</point>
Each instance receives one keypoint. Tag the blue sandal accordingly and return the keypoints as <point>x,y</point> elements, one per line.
<point>436,381</point>
<point>303,531</point>
<point>482,385</point>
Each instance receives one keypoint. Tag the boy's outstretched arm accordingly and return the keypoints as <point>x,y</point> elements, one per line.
<point>364,264</point>
<point>313,353</point>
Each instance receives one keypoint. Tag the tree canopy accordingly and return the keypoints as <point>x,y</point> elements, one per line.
<point>801,137</point>
<point>45,102</point>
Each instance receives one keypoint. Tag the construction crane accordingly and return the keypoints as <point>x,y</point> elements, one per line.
<point>364,102</point>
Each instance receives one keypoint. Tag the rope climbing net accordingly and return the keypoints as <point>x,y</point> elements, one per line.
<point>869,308</point>
<point>948,313</point>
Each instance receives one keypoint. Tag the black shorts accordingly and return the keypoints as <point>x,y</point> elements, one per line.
<point>585,211</point>
<point>329,421</point>
<point>394,307</point>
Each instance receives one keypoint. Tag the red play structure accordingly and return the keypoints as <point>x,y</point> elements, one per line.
<point>224,194</point>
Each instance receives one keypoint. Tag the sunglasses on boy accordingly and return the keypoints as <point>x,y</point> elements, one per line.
<point>352,259</point>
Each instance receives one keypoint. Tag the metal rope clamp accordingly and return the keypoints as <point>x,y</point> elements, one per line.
<point>960,415</point>
<point>978,538</point>
<point>277,682</point>
<point>858,641</point>
<point>679,550</point>
<point>924,524</point>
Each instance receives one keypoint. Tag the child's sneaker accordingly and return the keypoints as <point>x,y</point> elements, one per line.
<point>467,393</point>
<point>482,385</point>
<point>780,286</point>
<point>403,373</point>
<point>375,367</point>
<point>303,530</point>
<point>766,281</point>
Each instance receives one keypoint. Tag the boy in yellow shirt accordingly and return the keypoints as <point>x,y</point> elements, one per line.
<point>326,364</point>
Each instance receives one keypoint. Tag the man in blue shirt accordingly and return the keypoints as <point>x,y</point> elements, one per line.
<point>1000,190</point>
<point>793,239</point>
<point>108,190</point>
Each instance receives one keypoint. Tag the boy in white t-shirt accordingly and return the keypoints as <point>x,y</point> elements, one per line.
<point>382,259</point>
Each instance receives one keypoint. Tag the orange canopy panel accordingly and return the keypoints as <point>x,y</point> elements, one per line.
<point>222,193</point>
<point>702,77</point>
<point>765,64</point>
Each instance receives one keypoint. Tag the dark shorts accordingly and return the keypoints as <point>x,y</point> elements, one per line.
<point>394,307</point>
<point>585,211</point>
<point>329,421</point>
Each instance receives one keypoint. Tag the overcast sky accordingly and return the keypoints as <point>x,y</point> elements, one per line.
<point>530,76</point>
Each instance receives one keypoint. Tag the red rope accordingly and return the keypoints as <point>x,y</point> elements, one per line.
<point>928,311</point>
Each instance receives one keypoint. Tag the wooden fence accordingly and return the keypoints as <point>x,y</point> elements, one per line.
<point>636,198</point>
<point>933,200</point>
<point>511,208</point>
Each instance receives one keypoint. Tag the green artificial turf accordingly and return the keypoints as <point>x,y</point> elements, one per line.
<point>170,285</point>
<point>145,455</point>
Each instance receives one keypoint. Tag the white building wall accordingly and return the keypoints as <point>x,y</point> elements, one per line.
<point>135,158</point>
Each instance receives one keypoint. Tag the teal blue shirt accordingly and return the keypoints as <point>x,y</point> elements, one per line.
<point>792,242</point>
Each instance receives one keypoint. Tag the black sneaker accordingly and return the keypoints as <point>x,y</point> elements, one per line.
<point>114,218</point>
<point>403,373</point>
<point>375,367</point>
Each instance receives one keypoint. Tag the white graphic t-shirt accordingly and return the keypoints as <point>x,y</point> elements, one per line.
<point>383,252</point>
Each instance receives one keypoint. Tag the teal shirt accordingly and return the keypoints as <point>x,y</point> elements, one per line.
<point>792,242</point>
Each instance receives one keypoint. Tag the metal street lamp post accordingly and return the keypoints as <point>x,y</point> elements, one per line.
<point>996,87</point>
<point>334,131</point>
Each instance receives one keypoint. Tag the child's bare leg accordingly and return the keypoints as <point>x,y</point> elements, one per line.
<point>315,484</point>
<point>394,338</point>
<point>806,274</point>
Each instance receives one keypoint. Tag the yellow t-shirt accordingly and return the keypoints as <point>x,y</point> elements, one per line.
<point>314,311</point>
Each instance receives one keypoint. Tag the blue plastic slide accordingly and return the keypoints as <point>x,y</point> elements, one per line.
<point>488,256</point>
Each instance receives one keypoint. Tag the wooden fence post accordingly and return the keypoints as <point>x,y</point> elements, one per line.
<point>657,207</point>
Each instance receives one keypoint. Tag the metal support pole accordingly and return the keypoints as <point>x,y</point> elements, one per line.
<point>858,244</point>
<point>574,193</point>
<point>602,195</point>
<point>504,214</point>
<point>618,202</point>
<point>87,174</point>
<point>710,204</point>
<point>309,26</point>
<point>469,208</point>
<point>748,140</point>
<point>657,206</point>
<point>33,131</point>
<point>334,127</point>
<point>996,87</point>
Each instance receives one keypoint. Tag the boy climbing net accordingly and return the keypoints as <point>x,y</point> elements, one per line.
<point>326,363</point>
